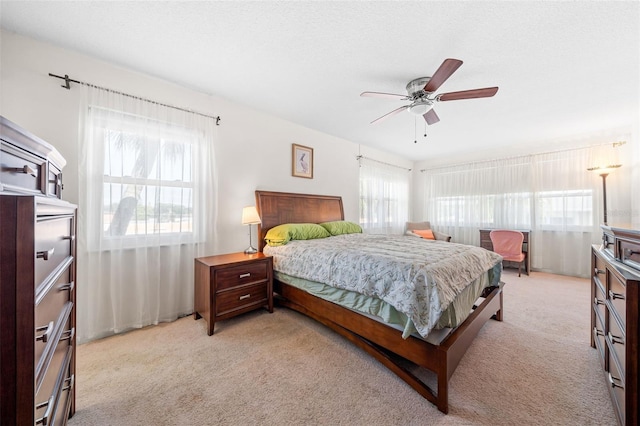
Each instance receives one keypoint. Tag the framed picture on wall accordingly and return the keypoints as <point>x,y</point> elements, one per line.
<point>301,161</point>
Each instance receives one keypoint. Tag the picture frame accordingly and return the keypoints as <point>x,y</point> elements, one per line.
<point>301,161</point>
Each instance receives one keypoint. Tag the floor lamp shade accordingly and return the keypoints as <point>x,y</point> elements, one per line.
<point>250,217</point>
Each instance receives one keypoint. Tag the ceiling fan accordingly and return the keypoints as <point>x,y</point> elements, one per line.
<point>420,93</point>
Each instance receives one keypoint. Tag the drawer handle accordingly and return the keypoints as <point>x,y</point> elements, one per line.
<point>612,381</point>
<point>598,301</point>
<point>44,420</point>
<point>597,332</point>
<point>70,286</point>
<point>628,252</point>
<point>26,170</point>
<point>599,271</point>
<point>615,339</point>
<point>247,275</point>
<point>246,296</point>
<point>48,329</point>
<point>45,254</point>
<point>613,295</point>
<point>71,381</point>
<point>68,335</point>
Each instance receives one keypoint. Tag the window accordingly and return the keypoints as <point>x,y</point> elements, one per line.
<point>147,180</point>
<point>148,187</point>
<point>565,210</point>
<point>384,197</point>
<point>484,211</point>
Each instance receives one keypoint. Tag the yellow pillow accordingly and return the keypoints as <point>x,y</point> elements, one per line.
<point>282,234</point>
<point>427,234</point>
<point>340,227</point>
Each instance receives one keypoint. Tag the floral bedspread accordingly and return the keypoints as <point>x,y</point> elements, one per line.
<point>418,277</point>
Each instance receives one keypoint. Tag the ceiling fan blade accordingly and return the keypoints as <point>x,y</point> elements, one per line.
<point>383,95</point>
<point>448,67</point>
<point>431,117</point>
<point>389,114</point>
<point>468,94</point>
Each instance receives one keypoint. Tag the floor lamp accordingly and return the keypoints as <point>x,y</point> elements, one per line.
<point>604,172</point>
<point>250,217</point>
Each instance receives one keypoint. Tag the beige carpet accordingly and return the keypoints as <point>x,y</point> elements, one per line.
<point>536,367</point>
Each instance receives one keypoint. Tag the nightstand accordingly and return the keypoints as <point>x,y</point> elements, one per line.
<point>227,285</point>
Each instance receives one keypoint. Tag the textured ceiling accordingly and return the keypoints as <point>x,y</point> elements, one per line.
<point>563,68</point>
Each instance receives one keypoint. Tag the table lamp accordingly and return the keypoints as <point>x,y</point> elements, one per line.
<point>250,217</point>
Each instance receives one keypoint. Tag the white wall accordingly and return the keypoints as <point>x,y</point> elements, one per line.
<point>253,149</point>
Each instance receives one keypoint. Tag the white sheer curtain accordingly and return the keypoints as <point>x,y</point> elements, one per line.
<point>384,197</point>
<point>552,195</point>
<point>147,201</point>
<point>460,200</point>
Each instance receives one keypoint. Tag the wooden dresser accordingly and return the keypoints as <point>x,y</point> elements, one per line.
<point>37,283</point>
<point>615,331</point>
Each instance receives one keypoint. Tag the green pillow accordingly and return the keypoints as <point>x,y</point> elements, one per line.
<point>340,227</point>
<point>282,234</point>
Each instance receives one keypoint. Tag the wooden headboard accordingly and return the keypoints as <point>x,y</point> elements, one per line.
<point>276,208</point>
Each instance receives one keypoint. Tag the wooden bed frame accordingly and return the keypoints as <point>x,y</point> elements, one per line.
<point>379,340</point>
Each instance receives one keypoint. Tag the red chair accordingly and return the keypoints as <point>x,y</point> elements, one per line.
<point>508,244</point>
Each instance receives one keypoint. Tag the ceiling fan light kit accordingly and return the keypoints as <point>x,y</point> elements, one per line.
<point>421,93</point>
<point>420,107</point>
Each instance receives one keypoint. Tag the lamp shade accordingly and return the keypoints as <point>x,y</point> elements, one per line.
<point>250,216</point>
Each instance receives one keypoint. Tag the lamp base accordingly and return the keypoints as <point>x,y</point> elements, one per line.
<point>251,250</point>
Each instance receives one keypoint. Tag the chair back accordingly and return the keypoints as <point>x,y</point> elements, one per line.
<point>507,243</point>
<point>412,226</point>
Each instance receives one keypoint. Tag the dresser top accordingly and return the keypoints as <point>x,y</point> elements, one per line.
<point>14,134</point>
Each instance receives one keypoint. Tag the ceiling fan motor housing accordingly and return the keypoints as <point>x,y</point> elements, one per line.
<point>415,87</point>
<point>420,101</point>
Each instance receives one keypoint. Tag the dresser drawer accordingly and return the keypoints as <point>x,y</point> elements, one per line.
<point>601,311</point>
<point>53,242</point>
<point>239,275</point>
<point>600,270</point>
<point>630,254</point>
<point>616,383</point>
<point>61,335</point>
<point>240,298</point>
<point>21,171</point>
<point>51,399</point>
<point>608,243</point>
<point>50,303</point>
<point>601,345</point>
<point>616,294</point>
<point>616,340</point>
<point>54,181</point>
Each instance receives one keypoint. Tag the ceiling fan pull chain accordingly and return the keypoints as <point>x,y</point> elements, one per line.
<point>415,130</point>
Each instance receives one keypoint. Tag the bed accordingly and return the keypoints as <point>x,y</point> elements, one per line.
<point>406,356</point>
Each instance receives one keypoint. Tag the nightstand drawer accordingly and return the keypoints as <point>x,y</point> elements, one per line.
<point>239,275</point>
<point>241,297</point>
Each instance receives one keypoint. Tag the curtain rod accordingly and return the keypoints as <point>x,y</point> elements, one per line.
<point>614,144</point>
<point>68,80</point>
<point>358,157</point>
